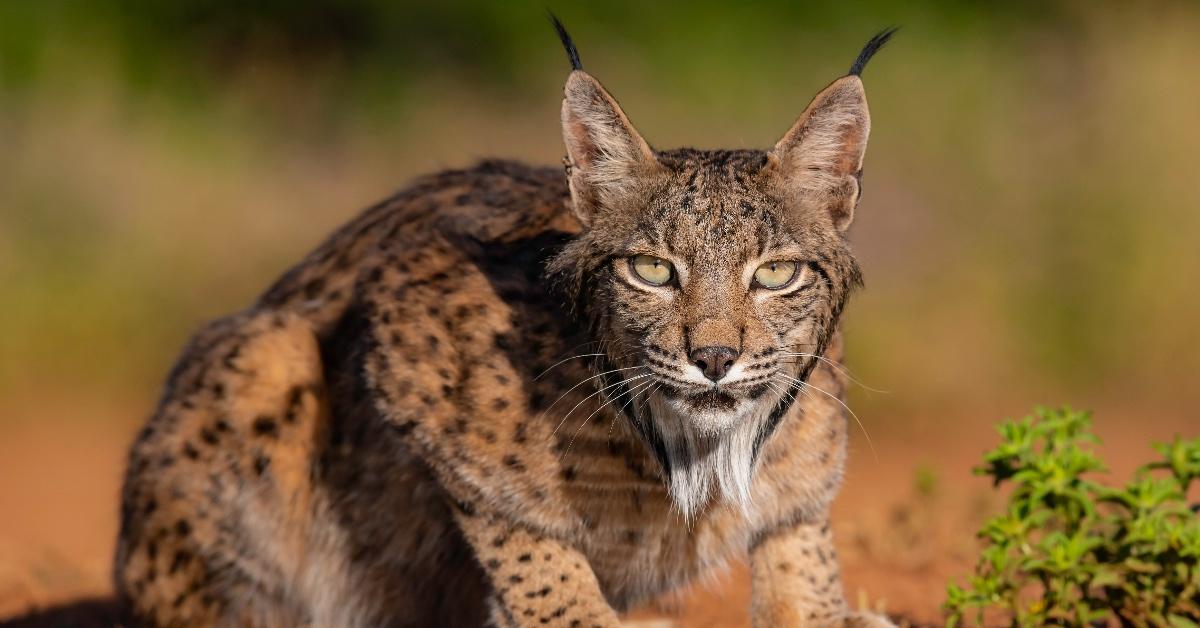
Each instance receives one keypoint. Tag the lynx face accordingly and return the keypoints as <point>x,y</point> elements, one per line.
<point>713,279</point>
<point>720,292</point>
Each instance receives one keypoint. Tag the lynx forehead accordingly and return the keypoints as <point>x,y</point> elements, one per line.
<point>510,397</point>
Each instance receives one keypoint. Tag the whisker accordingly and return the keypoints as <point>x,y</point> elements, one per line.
<point>582,355</point>
<point>560,397</point>
<point>841,368</point>
<point>862,427</point>
<point>613,423</point>
<point>556,364</point>
<point>585,399</point>
<point>781,393</point>
<point>632,392</point>
<point>645,401</point>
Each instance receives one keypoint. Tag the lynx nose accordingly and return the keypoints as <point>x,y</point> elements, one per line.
<point>715,362</point>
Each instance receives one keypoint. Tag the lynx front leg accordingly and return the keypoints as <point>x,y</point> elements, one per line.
<point>536,580</point>
<point>796,581</point>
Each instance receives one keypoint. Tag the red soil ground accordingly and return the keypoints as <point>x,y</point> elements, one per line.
<point>904,522</point>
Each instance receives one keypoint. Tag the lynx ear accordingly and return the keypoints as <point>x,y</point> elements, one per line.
<point>605,154</point>
<point>820,158</point>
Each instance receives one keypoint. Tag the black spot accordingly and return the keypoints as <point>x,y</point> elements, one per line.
<point>181,559</point>
<point>183,528</point>
<point>190,451</point>
<point>492,563</point>
<point>208,436</point>
<point>294,396</point>
<point>261,463</point>
<point>514,463</point>
<point>266,426</point>
<point>313,288</point>
<point>524,558</point>
<point>499,405</point>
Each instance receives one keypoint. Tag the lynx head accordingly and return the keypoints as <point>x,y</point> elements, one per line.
<point>713,278</point>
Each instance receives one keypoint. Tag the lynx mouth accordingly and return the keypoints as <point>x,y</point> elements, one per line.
<point>712,400</point>
<point>702,398</point>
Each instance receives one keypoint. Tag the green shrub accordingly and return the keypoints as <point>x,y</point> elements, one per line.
<point>1070,551</point>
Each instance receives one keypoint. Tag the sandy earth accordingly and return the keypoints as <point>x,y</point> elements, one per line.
<point>60,476</point>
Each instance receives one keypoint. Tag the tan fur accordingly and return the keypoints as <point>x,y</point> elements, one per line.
<point>462,409</point>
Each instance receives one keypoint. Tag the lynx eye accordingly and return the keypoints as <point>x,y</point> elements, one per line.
<point>775,275</point>
<point>652,270</point>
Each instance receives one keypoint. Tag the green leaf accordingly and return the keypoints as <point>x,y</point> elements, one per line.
<point>1179,621</point>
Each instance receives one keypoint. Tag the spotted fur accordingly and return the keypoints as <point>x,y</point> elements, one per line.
<point>465,408</point>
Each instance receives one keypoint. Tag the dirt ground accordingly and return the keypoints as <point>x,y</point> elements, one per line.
<point>904,522</point>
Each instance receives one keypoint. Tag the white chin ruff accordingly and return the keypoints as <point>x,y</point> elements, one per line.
<point>707,454</point>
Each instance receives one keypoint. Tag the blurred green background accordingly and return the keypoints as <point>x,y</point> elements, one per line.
<point>1029,229</point>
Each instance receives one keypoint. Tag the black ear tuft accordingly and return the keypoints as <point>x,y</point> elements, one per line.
<point>565,38</point>
<point>871,48</point>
